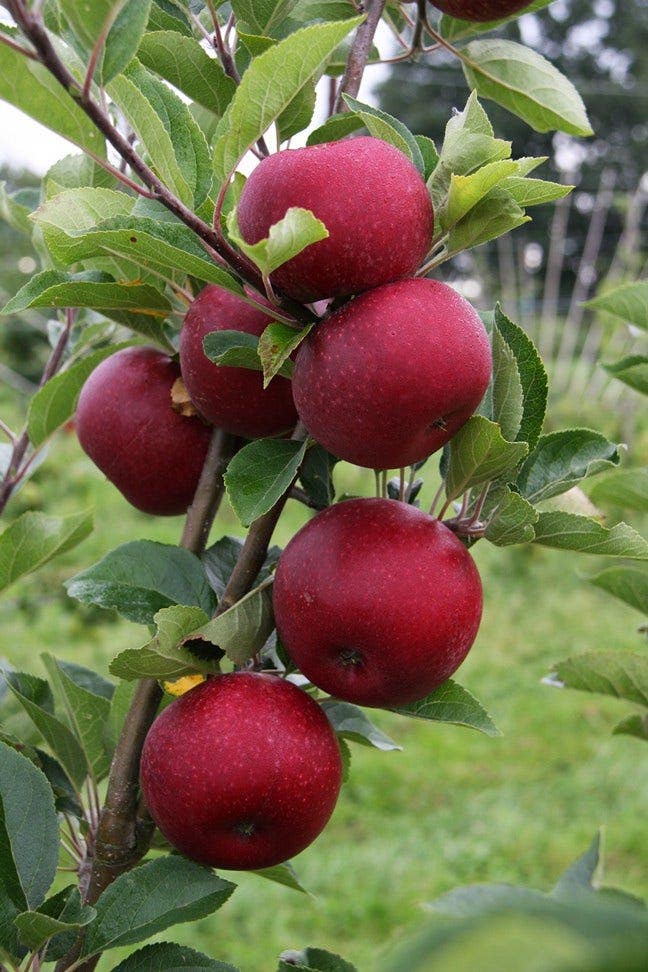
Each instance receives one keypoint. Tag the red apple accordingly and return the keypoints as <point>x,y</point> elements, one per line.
<point>370,197</point>
<point>242,772</point>
<point>376,602</point>
<point>126,423</point>
<point>392,376</point>
<point>480,10</point>
<point>231,398</point>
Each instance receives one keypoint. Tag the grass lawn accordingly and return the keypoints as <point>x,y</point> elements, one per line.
<point>454,807</point>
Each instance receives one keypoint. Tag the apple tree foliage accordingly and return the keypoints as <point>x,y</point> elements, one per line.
<point>122,231</point>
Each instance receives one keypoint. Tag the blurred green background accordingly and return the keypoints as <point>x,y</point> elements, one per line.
<point>454,807</point>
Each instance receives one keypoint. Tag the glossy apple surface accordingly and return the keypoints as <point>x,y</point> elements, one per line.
<point>231,398</point>
<point>370,197</point>
<point>242,772</point>
<point>127,425</point>
<point>376,602</point>
<point>392,376</point>
<point>480,10</point>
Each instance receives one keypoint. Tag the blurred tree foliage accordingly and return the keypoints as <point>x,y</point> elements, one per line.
<point>603,47</point>
<point>22,349</point>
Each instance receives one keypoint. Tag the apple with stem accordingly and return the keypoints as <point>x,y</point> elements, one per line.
<point>376,602</point>
<point>242,772</point>
<point>390,377</point>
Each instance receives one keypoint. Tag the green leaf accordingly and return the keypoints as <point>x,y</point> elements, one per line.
<point>629,302</point>
<point>51,288</point>
<point>35,698</point>
<point>169,15</point>
<point>350,722</point>
<point>269,85</point>
<point>534,192</point>
<point>632,371</point>
<point>562,459</point>
<point>621,487</point>
<point>276,344</point>
<point>152,897</point>
<point>263,15</point>
<point>55,403</point>
<point>451,703</point>
<point>13,212</point>
<point>165,657</point>
<point>628,582</point>
<point>236,349</point>
<point>622,674</point>
<point>316,475</point>
<point>533,376</point>
<point>120,24</point>
<point>298,229</point>
<point>167,130</point>
<point>34,538</point>
<point>523,81</point>
<point>31,88</point>
<point>468,143</point>
<point>582,873</point>
<point>314,958</point>
<point>479,454</point>
<point>569,531</point>
<point>88,714</point>
<point>187,66</point>
<point>335,128</point>
<point>494,215</point>
<point>504,400</point>
<point>138,579</point>
<point>75,171</point>
<point>260,473</point>
<point>29,836</point>
<point>169,957</point>
<point>284,874</point>
<point>243,629</point>
<point>429,154</point>
<point>64,912</point>
<point>466,191</point>
<point>513,521</point>
<point>454,29</point>
<point>633,725</point>
<point>381,125</point>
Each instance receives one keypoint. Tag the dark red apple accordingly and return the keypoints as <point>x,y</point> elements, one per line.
<point>480,10</point>
<point>376,602</point>
<point>370,197</point>
<point>231,398</point>
<point>392,376</point>
<point>126,423</point>
<point>242,772</point>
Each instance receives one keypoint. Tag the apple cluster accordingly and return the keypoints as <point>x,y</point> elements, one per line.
<point>376,602</point>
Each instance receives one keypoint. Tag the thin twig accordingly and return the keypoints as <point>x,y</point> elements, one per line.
<point>17,47</point>
<point>359,54</point>
<point>113,13</point>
